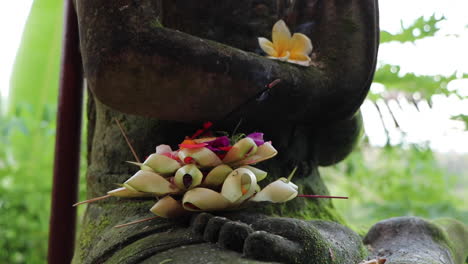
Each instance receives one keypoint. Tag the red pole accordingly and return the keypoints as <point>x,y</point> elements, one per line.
<point>67,144</point>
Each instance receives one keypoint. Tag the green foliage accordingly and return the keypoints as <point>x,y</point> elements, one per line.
<point>394,81</point>
<point>410,83</point>
<point>394,181</point>
<point>27,136</point>
<point>397,180</point>
<point>35,73</point>
<point>25,184</point>
<point>463,118</point>
<point>421,28</point>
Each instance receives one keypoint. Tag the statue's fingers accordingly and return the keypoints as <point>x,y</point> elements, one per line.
<point>233,234</point>
<point>292,229</point>
<point>265,246</point>
<point>213,227</point>
<point>198,223</point>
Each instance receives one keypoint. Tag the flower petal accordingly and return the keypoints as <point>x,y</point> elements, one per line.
<point>204,140</point>
<point>141,165</point>
<point>300,44</point>
<point>278,191</point>
<point>193,146</point>
<point>216,176</point>
<point>217,144</point>
<point>202,156</point>
<point>161,164</point>
<point>304,61</point>
<point>150,182</point>
<point>161,149</point>
<point>284,57</point>
<point>259,174</point>
<point>125,192</point>
<point>281,38</point>
<point>264,152</point>
<point>203,199</point>
<point>188,177</point>
<point>168,207</point>
<point>267,47</point>
<point>239,185</point>
<point>243,148</point>
<point>257,137</point>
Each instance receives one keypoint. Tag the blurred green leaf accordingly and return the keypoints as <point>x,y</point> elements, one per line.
<point>395,181</point>
<point>426,85</point>
<point>27,137</point>
<point>35,73</point>
<point>421,28</point>
<point>463,118</point>
<point>34,80</point>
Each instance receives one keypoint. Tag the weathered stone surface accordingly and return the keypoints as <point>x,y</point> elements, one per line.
<point>457,235</point>
<point>347,246</point>
<point>201,253</point>
<point>99,242</point>
<point>213,227</point>
<point>138,65</point>
<point>233,235</point>
<point>296,241</point>
<point>335,141</point>
<point>404,240</point>
<point>286,240</point>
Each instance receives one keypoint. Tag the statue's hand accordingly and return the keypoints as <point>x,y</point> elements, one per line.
<point>285,240</point>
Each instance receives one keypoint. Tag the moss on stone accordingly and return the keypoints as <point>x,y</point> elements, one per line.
<point>348,25</point>
<point>363,252</point>
<point>87,235</point>
<point>416,240</point>
<point>156,23</point>
<point>200,253</point>
<point>150,245</point>
<point>302,208</point>
<point>454,235</point>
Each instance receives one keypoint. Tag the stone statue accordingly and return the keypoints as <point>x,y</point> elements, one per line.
<point>161,67</point>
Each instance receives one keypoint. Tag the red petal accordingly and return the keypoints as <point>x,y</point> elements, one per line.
<point>188,160</point>
<point>170,155</point>
<point>192,146</point>
<point>207,125</point>
<point>225,148</point>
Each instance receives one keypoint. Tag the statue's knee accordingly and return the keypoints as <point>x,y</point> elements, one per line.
<point>415,240</point>
<point>337,140</point>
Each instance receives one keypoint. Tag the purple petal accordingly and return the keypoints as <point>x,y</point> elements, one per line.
<point>213,149</point>
<point>257,138</point>
<point>218,142</point>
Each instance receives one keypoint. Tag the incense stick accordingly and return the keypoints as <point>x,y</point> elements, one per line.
<point>127,140</point>
<point>136,222</point>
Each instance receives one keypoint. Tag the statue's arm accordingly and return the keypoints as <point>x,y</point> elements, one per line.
<point>138,67</point>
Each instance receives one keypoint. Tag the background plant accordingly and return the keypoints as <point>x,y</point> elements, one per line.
<point>403,178</point>
<point>27,137</point>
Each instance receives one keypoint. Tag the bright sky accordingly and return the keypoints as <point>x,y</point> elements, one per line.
<point>13,15</point>
<point>444,54</point>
